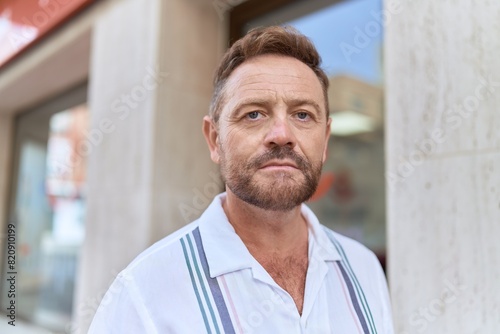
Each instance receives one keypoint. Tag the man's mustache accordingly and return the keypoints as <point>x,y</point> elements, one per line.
<point>281,153</point>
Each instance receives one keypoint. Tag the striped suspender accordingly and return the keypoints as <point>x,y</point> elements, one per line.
<point>356,293</point>
<point>195,257</point>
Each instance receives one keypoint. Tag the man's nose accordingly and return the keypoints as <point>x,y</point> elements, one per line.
<point>280,134</point>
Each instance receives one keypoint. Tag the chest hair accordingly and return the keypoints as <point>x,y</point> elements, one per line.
<point>290,274</point>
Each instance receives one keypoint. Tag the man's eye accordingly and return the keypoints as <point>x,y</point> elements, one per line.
<point>253,115</point>
<point>302,115</point>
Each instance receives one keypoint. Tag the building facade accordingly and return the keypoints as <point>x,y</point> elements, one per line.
<point>135,76</point>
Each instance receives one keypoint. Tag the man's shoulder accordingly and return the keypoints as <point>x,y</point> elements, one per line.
<point>163,250</point>
<point>151,281</point>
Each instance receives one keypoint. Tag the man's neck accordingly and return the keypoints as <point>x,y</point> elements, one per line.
<point>274,232</point>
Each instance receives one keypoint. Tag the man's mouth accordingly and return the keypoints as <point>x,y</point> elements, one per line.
<point>279,165</point>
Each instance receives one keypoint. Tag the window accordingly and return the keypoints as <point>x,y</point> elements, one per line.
<point>48,209</point>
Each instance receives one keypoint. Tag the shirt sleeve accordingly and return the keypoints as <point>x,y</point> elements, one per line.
<point>122,311</point>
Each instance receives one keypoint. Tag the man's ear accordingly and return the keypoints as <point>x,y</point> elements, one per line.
<point>211,134</point>
<point>327,137</point>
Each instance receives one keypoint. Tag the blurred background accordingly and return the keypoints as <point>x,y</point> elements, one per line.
<point>101,150</point>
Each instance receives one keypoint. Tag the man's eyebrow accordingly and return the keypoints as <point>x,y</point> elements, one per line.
<point>258,102</point>
<point>304,102</point>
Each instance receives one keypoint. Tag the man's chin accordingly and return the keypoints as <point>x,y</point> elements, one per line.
<point>274,204</point>
<point>279,196</point>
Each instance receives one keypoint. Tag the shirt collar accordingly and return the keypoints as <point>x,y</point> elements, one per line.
<point>226,252</point>
<point>325,249</point>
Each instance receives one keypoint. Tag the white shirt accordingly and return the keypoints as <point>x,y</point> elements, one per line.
<point>203,279</point>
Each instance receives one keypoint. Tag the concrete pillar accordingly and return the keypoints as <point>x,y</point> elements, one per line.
<point>149,168</point>
<point>443,164</point>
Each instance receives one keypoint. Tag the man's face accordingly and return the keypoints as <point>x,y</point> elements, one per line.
<point>272,133</point>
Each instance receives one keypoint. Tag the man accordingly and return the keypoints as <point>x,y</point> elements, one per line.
<point>257,260</point>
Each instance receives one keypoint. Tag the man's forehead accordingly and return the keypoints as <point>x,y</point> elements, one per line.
<point>272,72</point>
<point>272,64</point>
<point>249,80</point>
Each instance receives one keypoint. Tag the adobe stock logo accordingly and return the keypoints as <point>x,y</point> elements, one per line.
<point>37,21</point>
<point>121,108</point>
<point>373,28</point>
<point>201,199</point>
<point>452,119</point>
<point>421,318</point>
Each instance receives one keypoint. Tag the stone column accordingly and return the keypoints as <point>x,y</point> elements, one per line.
<point>443,164</point>
<point>149,169</point>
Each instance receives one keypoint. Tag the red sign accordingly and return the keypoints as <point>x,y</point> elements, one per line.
<point>22,22</point>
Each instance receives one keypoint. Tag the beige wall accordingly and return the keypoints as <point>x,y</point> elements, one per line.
<point>443,165</point>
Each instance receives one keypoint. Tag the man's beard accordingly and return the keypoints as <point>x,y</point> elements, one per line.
<point>283,193</point>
